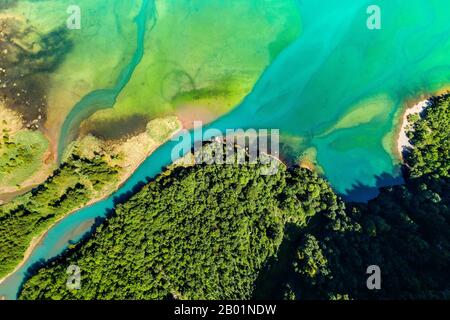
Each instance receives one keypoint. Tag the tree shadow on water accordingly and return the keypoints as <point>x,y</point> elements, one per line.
<point>127,195</point>
<point>360,192</point>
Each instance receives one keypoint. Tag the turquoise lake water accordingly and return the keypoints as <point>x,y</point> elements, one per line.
<point>336,90</point>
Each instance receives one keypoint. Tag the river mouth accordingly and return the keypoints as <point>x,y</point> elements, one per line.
<point>312,91</point>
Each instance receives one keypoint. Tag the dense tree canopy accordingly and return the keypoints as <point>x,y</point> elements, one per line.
<point>430,136</point>
<point>76,182</point>
<point>405,231</point>
<point>202,232</point>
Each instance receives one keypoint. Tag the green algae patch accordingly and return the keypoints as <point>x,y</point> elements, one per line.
<point>21,156</point>
<point>22,152</point>
<point>372,109</point>
<point>194,58</point>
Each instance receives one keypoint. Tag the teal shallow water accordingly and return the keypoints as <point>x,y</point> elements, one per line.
<point>335,67</point>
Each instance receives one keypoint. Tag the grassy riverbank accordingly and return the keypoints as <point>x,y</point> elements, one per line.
<point>92,169</point>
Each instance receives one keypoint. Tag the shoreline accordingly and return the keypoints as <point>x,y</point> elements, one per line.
<point>402,140</point>
<point>411,106</point>
<point>37,240</point>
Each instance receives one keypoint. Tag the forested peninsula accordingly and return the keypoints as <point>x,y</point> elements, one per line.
<point>228,232</point>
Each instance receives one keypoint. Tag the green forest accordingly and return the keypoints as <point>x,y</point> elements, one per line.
<point>405,231</point>
<point>430,137</point>
<point>73,185</point>
<point>228,232</point>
